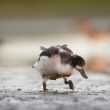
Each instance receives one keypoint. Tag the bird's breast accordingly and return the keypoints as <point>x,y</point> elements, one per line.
<point>52,68</point>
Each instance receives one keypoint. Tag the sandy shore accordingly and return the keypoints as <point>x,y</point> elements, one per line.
<point>20,89</point>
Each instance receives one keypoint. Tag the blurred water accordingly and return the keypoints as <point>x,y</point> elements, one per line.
<point>22,39</point>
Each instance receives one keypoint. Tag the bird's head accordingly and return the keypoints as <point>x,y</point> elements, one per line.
<point>78,63</point>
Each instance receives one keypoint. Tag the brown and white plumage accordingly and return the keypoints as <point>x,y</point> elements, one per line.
<point>58,61</point>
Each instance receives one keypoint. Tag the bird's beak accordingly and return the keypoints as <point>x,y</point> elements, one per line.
<point>82,72</point>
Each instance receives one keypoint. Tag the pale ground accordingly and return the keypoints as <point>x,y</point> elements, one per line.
<point>20,89</point>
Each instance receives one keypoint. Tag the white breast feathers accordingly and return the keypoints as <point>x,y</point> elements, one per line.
<point>51,65</point>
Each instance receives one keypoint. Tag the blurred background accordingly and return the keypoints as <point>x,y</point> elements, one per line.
<point>84,25</point>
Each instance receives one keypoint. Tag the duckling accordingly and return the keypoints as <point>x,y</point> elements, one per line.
<point>59,62</point>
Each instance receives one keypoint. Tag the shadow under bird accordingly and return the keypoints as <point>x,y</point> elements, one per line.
<point>59,62</point>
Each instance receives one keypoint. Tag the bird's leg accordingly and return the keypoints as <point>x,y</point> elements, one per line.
<point>44,84</point>
<point>71,86</point>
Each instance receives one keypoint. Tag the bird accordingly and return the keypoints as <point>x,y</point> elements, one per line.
<point>58,61</point>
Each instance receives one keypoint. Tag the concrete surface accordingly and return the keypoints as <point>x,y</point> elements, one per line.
<point>21,89</point>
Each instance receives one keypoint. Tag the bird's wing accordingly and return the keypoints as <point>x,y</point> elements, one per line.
<point>67,49</point>
<point>62,50</point>
<point>65,45</point>
<point>65,56</point>
<point>49,52</point>
<point>43,48</point>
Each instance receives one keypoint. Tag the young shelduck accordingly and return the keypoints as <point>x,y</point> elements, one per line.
<point>59,62</point>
